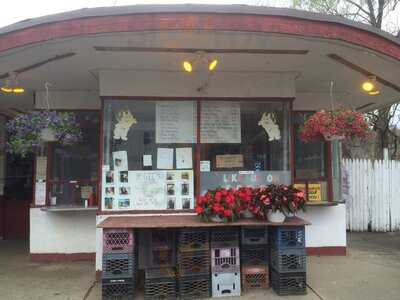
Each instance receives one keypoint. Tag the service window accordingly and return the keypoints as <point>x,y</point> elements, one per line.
<point>73,169</point>
<point>149,150</point>
<point>311,174</point>
<point>244,143</point>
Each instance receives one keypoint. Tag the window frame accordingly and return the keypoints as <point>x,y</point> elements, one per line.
<point>50,162</point>
<point>197,147</point>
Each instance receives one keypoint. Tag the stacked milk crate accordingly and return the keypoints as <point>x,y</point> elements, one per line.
<point>254,257</point>
<point>119,264</point>
<point>193,263</point>
<point>225,262</point>
<point>288,260</point>
<point>159,262</point>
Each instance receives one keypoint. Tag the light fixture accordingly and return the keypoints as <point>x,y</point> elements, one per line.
<point>12,86</point>
<point>187,66</point>
<point>370,86</point>
<point>200,60</point>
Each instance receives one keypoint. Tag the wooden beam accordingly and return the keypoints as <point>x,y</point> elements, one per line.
<point>38,64</point>
<point>362,71</point>
<point>195,50</point>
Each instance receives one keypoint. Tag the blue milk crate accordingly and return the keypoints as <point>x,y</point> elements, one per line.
<point>287,237</point>
<point>254,235</point>
<point>289,283</point>
<point>118,265</point>
<point>121,289</point>
<point>288,260</point>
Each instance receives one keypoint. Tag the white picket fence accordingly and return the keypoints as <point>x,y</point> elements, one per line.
<point>371,190</point>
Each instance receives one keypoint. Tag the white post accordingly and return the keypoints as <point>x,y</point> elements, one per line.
<point>385,154</point>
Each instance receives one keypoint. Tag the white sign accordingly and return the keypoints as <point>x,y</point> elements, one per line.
<point>40,193</point>
<point>184,158</point>
<point>147,160</point>
<point>165,158</point>
<point>175,122</point>
<point>205,166</point>
<point>148,190</point>
<point>120,160</point>
<point>220,122</point>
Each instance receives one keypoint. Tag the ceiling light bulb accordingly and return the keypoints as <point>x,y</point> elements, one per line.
<point>6,89</point>
<point>18,90</point>
<point>368,86</point>
<point>213,64</point>
<point>374,92</point>
<point>187,66</point>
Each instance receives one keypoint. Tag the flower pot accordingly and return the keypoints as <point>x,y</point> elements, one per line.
<point>246,214</point>
<point>216,219</point>
<point>275,217</point>
<point>333,137</point>
<point>47,135</point>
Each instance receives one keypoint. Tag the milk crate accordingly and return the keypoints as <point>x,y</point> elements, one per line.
<point>225,260</point>
<point>225,284</point>
<point>224,237</point>
<point>255,277</point>
<point>288,260</point>
<point>162,258</point>
<point>118,265</point>
<point>254,235</point>
<point>122,289</point>
<point>160,283</point>
<point>194,287</point>
<point>193,240</point>
<point>156,250</point>
<point>193,263</point>
<point>289,283</point>
<point>287,237</point>
<point>118,240</point>
<point>254,255</point>
<point>162,239</point>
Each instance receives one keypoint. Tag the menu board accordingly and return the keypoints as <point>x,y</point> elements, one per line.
<point>220,122</point>
<point>175,122</point>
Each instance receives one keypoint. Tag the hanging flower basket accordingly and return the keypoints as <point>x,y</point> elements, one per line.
<point>339,124</point>
<point>27,132</point>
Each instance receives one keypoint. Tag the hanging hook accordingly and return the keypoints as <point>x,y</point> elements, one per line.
<point>331,85</point>
<point>47,96</point>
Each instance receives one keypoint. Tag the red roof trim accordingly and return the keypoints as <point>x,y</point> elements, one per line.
<point>199,21</point>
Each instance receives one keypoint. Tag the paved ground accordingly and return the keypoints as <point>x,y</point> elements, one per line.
<point>370,271</point>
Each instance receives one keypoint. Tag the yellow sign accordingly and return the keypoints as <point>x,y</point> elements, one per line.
<point>314,190</point>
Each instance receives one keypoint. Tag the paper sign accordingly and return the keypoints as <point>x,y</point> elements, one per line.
<point>175,122</point>
<point>86,191</point>
<point>184,158</point>
<point>147,160</point>
<point>220,122</point>
<point>314,192</point>
<point>165,158</point>
<point>205,166</point>
<point>120,159</point>
<point>148,189</point>
<point>229,161</point>
<point>41,167</point>
<point>40,193</point>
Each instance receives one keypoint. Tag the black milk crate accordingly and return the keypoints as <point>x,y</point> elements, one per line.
<point>118,265</point>
<point>162,239</point>
<point>254,255</point>
<point>121,289</point>
<point>254,235</point>
<point>225,260</point>
<point>162,258</point>
<point>194,287</point>
<point>288,260</point>
<point>287,237</point>
<point>160,283</point>
<point>193,240</point>
<point>224,237</point>
<point>118,240</point>
<point>193,263</point>
<point>289,283</point>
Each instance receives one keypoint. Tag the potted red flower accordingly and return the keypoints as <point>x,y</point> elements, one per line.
<point>275,202</point>
<point>335,125</point>
<point>220,205</point>
<point>245,195</point>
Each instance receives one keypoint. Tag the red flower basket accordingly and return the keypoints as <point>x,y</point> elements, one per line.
<point>335,125</point>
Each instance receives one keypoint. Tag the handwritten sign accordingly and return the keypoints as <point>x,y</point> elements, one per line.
<point>148,189</point>
<point>220,122</point>
<point>175,122</point>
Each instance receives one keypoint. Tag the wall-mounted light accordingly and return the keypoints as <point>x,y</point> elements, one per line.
<point>12,86</point>
<point>199,60</point>
<point>370,86</point>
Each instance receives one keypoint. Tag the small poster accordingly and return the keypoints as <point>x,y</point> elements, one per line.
<point>176,122</point>
<point>314,192</point>
<point>165,158</point>
<point>86,191</point>
<point>228,161</point>
<point>220,122</point>
<point>147,160</point>
<point>120,159</point>
<point>184,158</point>
<point>205,166</point>
<point>40,193</point>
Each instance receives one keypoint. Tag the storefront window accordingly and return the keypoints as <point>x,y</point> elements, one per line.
<point>310,163</point>
<point>73,178</point>
<point>153,159</point>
